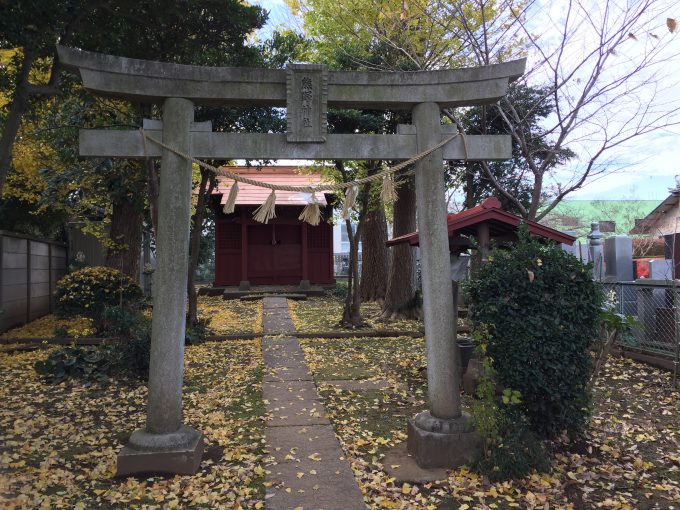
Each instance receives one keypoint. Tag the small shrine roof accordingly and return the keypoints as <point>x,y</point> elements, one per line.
<point>500,223</point>
<point>255,195</point>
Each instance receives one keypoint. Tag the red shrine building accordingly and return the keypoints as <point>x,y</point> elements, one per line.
<point>486,222</point>
<point>285,251</point>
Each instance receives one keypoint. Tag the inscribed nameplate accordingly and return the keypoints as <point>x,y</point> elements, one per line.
<point>307,96</point>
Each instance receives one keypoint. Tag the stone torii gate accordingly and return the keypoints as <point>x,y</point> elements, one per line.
<point>439,437</point>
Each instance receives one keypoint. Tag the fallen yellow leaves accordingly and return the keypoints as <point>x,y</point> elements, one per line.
<point>322,314</point>
<point>44,327</point>
<point>625,458</point>
<point>231,316</point>
<point>59,443</point>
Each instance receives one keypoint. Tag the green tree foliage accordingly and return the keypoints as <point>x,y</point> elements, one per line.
<point>541,308</point>
<point>393,34</point>
<point>210,32</point>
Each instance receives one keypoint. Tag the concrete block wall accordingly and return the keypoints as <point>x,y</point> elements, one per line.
<point>29,270</point>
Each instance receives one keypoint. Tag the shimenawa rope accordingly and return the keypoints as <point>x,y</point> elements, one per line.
<point>266,211</point>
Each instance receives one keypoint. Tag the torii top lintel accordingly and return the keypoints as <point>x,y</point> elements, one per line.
<point>153,82</point>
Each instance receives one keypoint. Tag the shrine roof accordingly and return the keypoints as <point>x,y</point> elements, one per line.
<point>255,195</point>
<point>500,223</point>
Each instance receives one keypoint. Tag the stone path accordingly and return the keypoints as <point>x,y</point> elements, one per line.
<point>310,470</point>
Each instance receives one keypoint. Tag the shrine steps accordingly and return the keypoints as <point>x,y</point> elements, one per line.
<point>261,291</point>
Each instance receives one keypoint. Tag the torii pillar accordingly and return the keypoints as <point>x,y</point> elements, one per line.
<point>442,436</point>
<point>165,445</point>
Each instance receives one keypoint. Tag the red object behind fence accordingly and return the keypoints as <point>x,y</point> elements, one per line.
<point>641,267</point>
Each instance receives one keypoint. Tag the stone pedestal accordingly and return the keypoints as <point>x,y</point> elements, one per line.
<point>442,443</point>
<point>244,285</point>
<point>179,453</point>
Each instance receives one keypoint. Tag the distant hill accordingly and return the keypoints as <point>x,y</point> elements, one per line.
<point>616,217</point>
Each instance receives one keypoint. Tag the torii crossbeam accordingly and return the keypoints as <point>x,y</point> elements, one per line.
<point>439,437</point>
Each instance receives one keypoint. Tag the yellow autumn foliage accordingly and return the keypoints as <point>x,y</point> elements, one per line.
<point>30,154</point>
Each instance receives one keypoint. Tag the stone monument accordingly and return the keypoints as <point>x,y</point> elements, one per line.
<point>595,251</point>
<point>618,258</point>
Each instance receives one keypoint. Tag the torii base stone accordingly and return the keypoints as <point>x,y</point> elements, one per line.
<point>177,453</point>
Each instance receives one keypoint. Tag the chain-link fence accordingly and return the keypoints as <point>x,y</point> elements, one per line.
<point>656,308</point>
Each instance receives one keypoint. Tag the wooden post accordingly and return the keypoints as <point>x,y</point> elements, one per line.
<point>244,246</point>
<point>484,240</point>
<point>305,252</point>
<point>28,280</point>
<point>49,275</point>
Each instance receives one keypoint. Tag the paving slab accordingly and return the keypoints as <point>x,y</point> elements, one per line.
<point>284,360</point>
<point>274,347</point>
<point>358,384</point>
<point>308,468</point>
<point>309,462</point>
<point>398,464</point>
<point>293,403</point>
<point>275,317</point>
<point>292,361</point>
<point>287,374</point>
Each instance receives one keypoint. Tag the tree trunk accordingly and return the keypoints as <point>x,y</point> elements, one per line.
<point>142,111</point>
<point>16,112</point>
<point>351,312</point>
<point>153,182</point>
<point>126,237</point>
<point>469,187</point>
<point>400,299</point>
<point>204,191</point>
<point>375,256</point>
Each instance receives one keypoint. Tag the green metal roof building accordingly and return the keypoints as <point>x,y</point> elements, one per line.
<point>616,217</point>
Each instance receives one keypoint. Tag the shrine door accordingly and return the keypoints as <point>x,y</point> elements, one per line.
<point>274,254</point>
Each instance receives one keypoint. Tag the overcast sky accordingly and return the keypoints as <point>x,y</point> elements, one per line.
<point>643,170</point>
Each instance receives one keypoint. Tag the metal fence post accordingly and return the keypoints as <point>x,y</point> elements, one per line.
<point>676,358</point>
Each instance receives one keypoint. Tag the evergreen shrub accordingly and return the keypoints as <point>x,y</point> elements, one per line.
<point>511,450</point>
<point>197,333</point>
<point>541,308</point>
<point>340,289</point>
<point>89,291</point>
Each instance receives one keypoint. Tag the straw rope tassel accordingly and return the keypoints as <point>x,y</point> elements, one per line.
<point>230,205</point>
<point>266,211</point>
<point>388,194</point>
<point>348,203</point>
<point>311,213</point>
